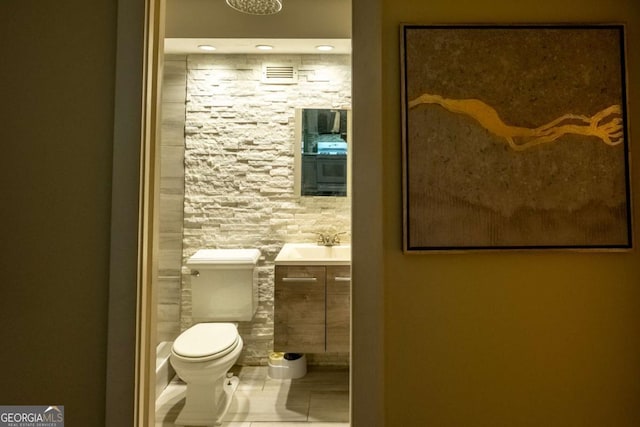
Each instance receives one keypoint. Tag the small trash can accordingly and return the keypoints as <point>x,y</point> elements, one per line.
<point>284,366</point>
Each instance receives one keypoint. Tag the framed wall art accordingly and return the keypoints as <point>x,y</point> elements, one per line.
<point>515,137</point>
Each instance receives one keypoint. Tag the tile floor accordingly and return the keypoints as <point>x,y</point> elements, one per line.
<point>319,399</point>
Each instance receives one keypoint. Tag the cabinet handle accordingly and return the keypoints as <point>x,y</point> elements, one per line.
<point>300,279</point>
<point>342,279</point>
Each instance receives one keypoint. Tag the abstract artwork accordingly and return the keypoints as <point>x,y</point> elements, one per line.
<point>514,137</point>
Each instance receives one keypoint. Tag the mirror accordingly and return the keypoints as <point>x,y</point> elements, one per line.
<point>322,146</point>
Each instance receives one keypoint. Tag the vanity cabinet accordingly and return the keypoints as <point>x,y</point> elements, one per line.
<point>311,313</point>
<point>338,294</point>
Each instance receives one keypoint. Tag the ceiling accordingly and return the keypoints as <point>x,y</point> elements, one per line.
<point>190,23</point>
<point>248,45</point>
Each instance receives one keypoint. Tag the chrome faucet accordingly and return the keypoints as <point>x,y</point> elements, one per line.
<point>328,239</point>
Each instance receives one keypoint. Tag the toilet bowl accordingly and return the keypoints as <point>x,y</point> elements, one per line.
<point>201,356</point>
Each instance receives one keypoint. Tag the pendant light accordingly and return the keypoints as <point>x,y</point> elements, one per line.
<point>256,7</point>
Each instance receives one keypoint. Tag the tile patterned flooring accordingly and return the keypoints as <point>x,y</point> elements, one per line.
<point>319,399</point>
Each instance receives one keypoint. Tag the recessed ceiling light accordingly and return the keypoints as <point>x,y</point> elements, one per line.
<point>324,47</point>
<point>264,47</point>
<point>207,47</point>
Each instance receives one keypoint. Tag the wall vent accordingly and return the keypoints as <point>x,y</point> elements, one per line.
<point>279,74</point>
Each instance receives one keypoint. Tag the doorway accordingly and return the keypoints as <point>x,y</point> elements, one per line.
<point>367,307</point>
<point>239,194</point>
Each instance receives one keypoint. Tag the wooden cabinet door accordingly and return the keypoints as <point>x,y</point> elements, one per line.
<point>299,311</point>
<point>338,308</point>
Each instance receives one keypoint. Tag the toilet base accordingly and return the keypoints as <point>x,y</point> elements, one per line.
<point>206,405</point>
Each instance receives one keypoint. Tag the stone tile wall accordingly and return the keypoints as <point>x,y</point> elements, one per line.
<point>238,175</point>
<point>171,197</point>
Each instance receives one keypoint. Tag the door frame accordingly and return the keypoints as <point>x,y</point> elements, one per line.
<point>130,391</point>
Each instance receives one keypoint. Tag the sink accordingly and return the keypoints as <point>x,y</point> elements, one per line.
<point>313,254</point>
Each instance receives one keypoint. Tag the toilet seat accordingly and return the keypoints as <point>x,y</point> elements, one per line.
<point>206,341</point>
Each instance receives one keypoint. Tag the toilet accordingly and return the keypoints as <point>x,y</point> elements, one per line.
<point>224,290</point>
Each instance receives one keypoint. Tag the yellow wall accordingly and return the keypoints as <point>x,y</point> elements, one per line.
<point>56,130</point>
<point>507,339</point>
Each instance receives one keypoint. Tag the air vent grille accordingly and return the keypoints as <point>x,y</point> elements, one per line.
<point>279,74</point>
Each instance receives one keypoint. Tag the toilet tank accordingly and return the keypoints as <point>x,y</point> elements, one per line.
<point>224,284</point>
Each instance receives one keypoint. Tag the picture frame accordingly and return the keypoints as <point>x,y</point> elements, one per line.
<point>514,137</point>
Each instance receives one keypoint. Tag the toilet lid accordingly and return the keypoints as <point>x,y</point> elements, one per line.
<point>224,257</point>
<point>206,339</point>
